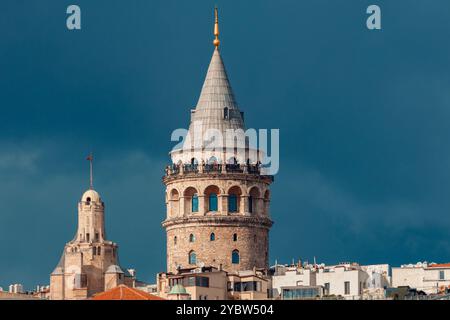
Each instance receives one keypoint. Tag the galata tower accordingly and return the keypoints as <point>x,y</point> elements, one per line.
<point>217,194</point>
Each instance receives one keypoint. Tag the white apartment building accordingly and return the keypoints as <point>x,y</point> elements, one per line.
<point>345,280</point>
<point>291,276</point>
<point>15,288</point>
<point>432,278</point>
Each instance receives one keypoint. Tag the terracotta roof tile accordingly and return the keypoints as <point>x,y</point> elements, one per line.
<point>439,265</point>
<point>122,292</point>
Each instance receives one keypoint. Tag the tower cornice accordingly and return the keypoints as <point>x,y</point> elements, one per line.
<point>218,220</point>
<point>222,176</point>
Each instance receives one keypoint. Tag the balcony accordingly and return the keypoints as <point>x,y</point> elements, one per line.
<point>214,168</point>
<point>190,168</point>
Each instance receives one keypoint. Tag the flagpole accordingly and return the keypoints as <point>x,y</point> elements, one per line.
<point>92,179</point>
<point>91,167</point>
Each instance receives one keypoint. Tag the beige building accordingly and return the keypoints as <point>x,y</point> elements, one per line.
<point>202,283</point>
<point>217,200</point>
<point>210,283</point>
<point>89,263</point>
<point>431,278</point>
<point>248,285</point>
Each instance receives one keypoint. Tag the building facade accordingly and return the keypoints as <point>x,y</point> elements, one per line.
<point>291,276</point>
<point>89,263</point>
<point>342,281</point>
<point>433,278</point>
<point>217,195</point>
<point>209,283</point>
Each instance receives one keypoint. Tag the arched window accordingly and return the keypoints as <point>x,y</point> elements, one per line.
<point>191,238</point>
<point>212,237</point>
<point>194,203</point>
<point>254,195</point>
<point>235,257</point>
<point>232,203</point>
<point>175,240</point>
<point>192,257</point>
<point>212,201</point>
<point>212,160</point>
<point>250,204</point>
<point>235,237</point>
<point>99,250</point>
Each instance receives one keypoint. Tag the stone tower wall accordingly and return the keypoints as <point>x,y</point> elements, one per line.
<point>250,224</point>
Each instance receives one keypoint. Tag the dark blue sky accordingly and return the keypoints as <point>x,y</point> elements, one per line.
<point>363,118</point>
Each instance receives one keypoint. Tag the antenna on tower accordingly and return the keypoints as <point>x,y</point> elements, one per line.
<point>90,158</point>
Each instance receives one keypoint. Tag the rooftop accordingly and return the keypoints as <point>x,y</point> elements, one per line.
<point>122,292</point>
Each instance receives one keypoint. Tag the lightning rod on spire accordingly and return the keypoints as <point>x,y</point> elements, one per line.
<point>216,41</point>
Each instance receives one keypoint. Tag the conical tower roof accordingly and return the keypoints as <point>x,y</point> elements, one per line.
<point>216,108</point>
<point>216,123</point>
<point>216,95</point>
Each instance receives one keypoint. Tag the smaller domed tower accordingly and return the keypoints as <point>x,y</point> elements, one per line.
<point>91,218</point>
<point>89,263</point>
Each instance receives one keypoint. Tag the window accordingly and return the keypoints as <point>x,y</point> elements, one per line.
<point>198,282</point>
<point>97,236</point>
<point>88,237</point>
<point>441,275</point>
<point>174,281</point>
<point>213,202</point>
<point>99,250</point>
<point>235,237</point>
<point>175,240</point>
<point>300,293</point>
<point>232,203</point>
<point>212,237</point>
<point>225,113</point>
<point>191,238</point>
<point>94,251</point>
<point>250,204</point>
<point>346,287</point>
<point>194,203</point>
<point>80,281</point>
<point>327,288</point>
<point>88,199</point>
<point>247,286</point>
<point>192,257</point>
<point>235,257</point>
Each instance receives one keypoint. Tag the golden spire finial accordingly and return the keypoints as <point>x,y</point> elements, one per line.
<point>216,41</point>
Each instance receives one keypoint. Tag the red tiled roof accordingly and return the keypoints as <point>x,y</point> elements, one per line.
<point>439,265</point>
<point>122,292</point>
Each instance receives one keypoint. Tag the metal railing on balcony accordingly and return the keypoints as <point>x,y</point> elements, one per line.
<point>176,169</point>
<point>234,168</point>
<point>190,168</point>
<point>215,167</point>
